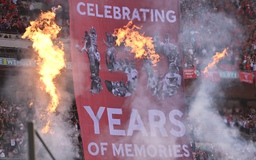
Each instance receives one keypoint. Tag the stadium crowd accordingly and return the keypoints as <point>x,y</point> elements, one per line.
<point>209,27</point>
<point>14,18</point>
<point>13,133</point>
<point>16,14</point>
<point>201,26</point>
<point>242,119</point>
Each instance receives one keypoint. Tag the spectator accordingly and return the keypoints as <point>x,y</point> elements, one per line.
<point>2,152</point>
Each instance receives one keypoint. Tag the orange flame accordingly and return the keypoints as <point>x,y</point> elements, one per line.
<point>51,60</point>
<point>46,128</point>
<point>140,45</point>
<point>31,104</point>
<point>41,32</point>
<point>216,58</point>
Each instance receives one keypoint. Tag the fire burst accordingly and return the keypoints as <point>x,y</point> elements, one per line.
<point>51,60</point>
<point>46,127</point>
<point>140,45</point>
<point>216,58</point>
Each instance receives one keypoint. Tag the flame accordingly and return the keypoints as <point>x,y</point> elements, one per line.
<point>216,58</point>
<point>51,60</point>
<point>46,128</point>
<point>31,104</point>
<point>54,9</point>
<point>140,45</point>
<point>41,32</point>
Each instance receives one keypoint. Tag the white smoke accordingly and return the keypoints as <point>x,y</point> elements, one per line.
<point>210,129</point>
<point>62,134</point>
<point>25,87</point>
<point>214,31</point>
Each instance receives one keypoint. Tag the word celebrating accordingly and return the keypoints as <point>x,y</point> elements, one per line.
<point>156,121</point>
<point>136,150</point>
<point>125,13</point>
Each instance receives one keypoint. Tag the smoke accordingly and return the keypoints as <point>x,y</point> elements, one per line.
<point>26,90</point>
<point>209,127</point>
<point>62,134</point>
<point>207,31</point>
<point>23,90</point>
<point>149,122</point>
<point>54,126</point>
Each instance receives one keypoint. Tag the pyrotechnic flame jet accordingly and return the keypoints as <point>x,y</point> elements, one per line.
<point>139,44</point>
<point>46,128</point>
<point>51,60</point>
<point>216,58</point>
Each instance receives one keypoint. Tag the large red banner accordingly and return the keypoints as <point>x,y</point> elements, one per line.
<point>128,108</point>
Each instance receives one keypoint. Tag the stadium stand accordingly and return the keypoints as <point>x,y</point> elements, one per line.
<point>14,18</point>
<point>198,27</point>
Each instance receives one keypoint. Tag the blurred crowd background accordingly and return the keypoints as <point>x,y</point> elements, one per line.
<point>16,14</point>
<point>211,26</point>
